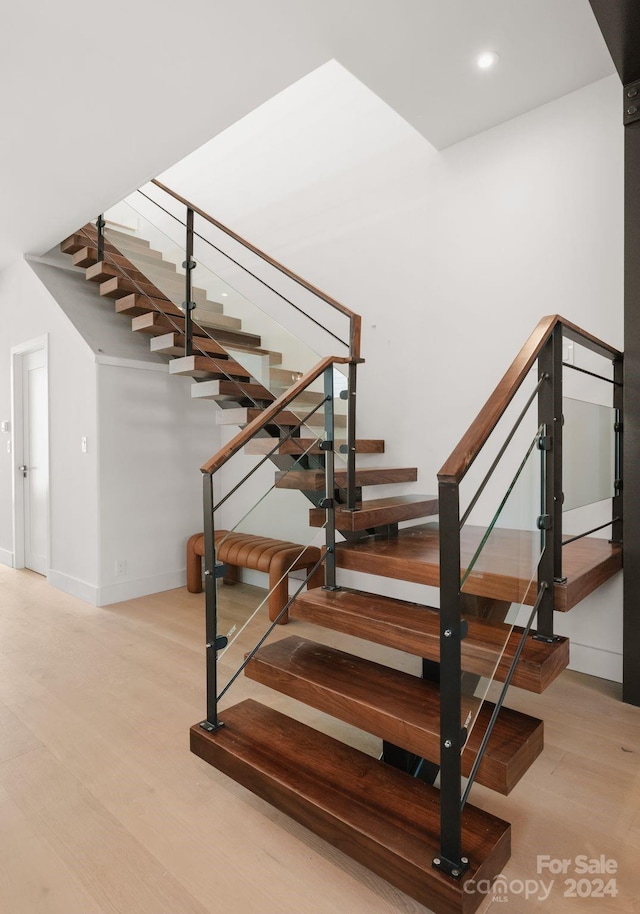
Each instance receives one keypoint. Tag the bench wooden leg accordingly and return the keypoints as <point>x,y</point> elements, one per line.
<point>194,565</point>
<point>278,593</point>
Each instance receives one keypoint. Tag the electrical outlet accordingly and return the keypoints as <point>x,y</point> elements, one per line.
<point>121,566</point>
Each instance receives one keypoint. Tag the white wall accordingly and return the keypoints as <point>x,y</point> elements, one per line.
<point>450,257</point>
<point>27,311</point>
<point>136,493</point>
<point>153,440</point>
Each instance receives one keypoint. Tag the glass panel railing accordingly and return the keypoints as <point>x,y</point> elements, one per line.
<point>299,307</point>
<point>264,337</point>
<point>588,453</point>
<point>501,547</point>
<point>266,535</point>
<point>256,358</point>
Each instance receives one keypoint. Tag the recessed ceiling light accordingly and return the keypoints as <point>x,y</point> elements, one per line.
<point>224,294</point>
<point>486,60</point>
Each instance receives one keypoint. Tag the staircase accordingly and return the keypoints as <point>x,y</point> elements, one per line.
<point>384,812</point>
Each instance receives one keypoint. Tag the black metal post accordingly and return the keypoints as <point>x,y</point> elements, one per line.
<point>351,437</point>
<point>189,265</point>
<point>550,519</point>
<point>211,608</point>
<point>617,504</point>
<point>451,859</point>
<point>100,224</point>
<point>619,22</point>
<point>328,446</point>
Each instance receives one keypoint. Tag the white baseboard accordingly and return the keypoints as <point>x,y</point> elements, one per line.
<point>595,661</point>
<point>140,587</point>
<point>73,586</point>
<point>6,557</point>
<point>116,593</point>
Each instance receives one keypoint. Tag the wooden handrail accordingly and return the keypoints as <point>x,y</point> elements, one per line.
<point>478,432</point>
<point>267,415</point>
<point>354,318</point>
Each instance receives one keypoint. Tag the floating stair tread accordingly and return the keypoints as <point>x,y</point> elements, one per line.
<point>227,390</point>
<point>260,446</point>
<point>285,419</point>
<point>379,815</point>
<point>414,555</point>
<point>118,286</point>
<point>104,270</point>
<point>314,480</point>
<point>79,241</point>
<point>224,329</point>
<point>174,343</point>
<point>396,706</point>
<point>200,366</point>
<point>87,256</point>
<point>378,511</point>
<point>415,629</point>
<point>133,305</point>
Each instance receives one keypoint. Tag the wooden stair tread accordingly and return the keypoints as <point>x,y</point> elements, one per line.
<point>415,629</point>
<point>154,323</point>
<point>104,270</point>
<point>167,285</point>
<point>378,511</point>
<point>200,366</point>
<point>380,816</point>
<point>285,419</point>
<point>414,555</point>
<point>88,256</point>
<point>174,343</point>
<point>133,305</point>
<point>226,390</point>
<point>79,241</point>
<point>397,707</point>
<point>260,446</point>
<point>314,480</point>
<point>119,285</point>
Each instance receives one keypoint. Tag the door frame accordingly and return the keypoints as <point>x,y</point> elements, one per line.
<point>40,343</point>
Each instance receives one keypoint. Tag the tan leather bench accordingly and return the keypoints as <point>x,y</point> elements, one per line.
<point>260,553</point>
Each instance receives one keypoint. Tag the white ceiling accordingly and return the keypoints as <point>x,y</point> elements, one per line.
<point>96,100</point>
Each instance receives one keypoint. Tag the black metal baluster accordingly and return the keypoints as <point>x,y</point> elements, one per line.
<point>189,305</point>
<point>351,436</point>
<point>617,506</point>
<point>451,859</point>
<point>550,518</point>
<point>329,502</point>
<point>213,642</point>
<point>100,224</point>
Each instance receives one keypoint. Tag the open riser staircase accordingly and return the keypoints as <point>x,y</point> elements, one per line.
<point>384,812</point>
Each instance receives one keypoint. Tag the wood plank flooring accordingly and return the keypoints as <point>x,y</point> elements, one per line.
<point>103,808</point>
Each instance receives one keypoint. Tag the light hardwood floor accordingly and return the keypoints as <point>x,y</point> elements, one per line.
<point>103,809</point>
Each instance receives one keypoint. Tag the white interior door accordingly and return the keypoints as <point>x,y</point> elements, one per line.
<point>35,466</point>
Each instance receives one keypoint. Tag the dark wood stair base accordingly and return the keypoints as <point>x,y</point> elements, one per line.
<point>415,629</point>
<point>382,817</point>
<point>396,707</point>
<point>377,512</point>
